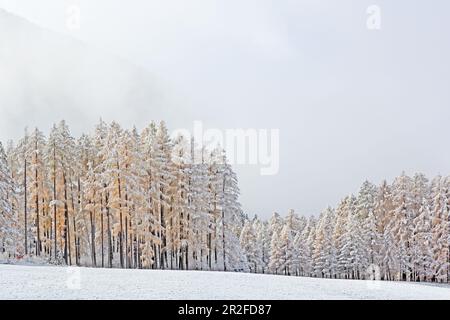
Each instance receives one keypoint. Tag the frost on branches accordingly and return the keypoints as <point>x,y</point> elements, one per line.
<point>9,224</point>
<point>128,199</point>
<point>119,198</point>
<point>391,232</point>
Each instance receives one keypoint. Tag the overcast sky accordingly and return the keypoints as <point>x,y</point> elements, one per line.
<point>351,103</point>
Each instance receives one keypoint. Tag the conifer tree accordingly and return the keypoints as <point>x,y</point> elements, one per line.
<point>9,223</point>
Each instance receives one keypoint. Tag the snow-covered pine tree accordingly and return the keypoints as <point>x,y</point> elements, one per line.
<point>365,207</point>
<point>136,205</point>
<point>420,227</point>
<point>422,244</point>
<point>349,257</point>
<point>384,213</point>
<point>21,154</point>
<point>67,157</point>
<point>9,223</point>
<point>123,199</point>
<point>38,192</point>
<point>162,172</point>
<point>323,253</point>
<point>339,237</point>
<point>200,206</point>
<point>294,222</point>
<point>275,224</point>
<point>275,255</point>
<point>250,247</point>
<point>286,250</point>
<point>303,242</point>
<point>230,217</point>
<point>260,251</point>
<point>179,238</point>
<point>99,196</point>
<point>440,229</point>
<point>308,264</point>
<point>403,217</point>
<point>89,198</point>
<point>145,226</point>
<point>59,158</point>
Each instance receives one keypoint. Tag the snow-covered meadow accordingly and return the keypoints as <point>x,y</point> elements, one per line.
<point>48,282</point>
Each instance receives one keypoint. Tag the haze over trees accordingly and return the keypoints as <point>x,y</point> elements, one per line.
<point>127,199</point>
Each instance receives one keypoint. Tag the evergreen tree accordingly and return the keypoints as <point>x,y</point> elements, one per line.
<point>9,224</point>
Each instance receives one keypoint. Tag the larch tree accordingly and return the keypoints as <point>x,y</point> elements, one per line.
<point>286,250</point>
<point>38,192</point>
<point>9,223</point>
<point>276,254</point>
<point>323,253</point>
<point>162,173</point>
<point>179,238</point>
<point>260,250</point>
<point>422,244</point>
<point>403,216</point>
<point>365,207</point>
<point>440,229</point>
<point>250,247</point>
<point>128,199</point>
<point>384,213</point>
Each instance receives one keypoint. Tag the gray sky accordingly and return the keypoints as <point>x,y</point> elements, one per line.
<point>350,103</point>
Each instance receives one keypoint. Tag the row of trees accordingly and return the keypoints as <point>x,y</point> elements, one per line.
<point>119,198</point>
<point>390,232</point>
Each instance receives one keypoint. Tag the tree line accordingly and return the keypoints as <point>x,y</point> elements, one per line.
<point>128,199</point>
<point>398,231</point>
<point>119,198</point>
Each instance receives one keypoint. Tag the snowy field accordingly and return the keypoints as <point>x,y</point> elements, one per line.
<point>43,282</point>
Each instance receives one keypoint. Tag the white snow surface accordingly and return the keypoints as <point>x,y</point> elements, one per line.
<point>50,282</point>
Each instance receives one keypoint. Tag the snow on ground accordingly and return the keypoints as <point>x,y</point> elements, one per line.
<point>49,282</point>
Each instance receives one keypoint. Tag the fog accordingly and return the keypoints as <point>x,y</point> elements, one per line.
<point>350,103</point>
<point>46,77</point>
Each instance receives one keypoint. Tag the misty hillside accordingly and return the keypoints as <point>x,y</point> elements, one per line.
<point>46,74</point>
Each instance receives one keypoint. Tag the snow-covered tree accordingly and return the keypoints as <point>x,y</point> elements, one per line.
<point>120,198</point>
<point>38,192</point>
<point>250,246</point>
<point>365,214</point>
<point>9,224</point>
<point>422,244</point>
<point>323,253</point>
<point>440,229</point>
<point>402,224</point>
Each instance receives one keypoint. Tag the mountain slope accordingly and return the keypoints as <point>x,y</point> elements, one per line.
<point>47,75</point>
